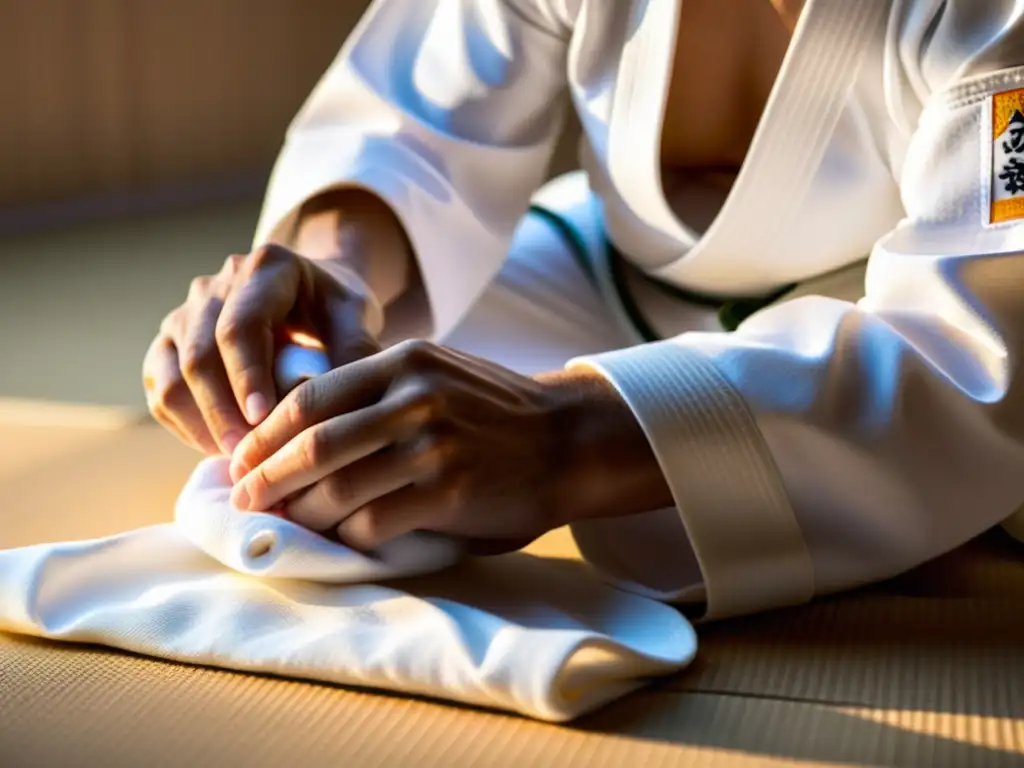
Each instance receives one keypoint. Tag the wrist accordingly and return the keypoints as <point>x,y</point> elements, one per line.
<point>606,466</point>
<point>359,236</point>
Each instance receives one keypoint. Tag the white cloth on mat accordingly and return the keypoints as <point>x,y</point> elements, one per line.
<point>256,593</point>
<point>267,545</point>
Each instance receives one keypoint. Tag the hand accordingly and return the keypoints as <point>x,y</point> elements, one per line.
<point>420,437</point>
<point>208,374</point>
<point>416,437</point>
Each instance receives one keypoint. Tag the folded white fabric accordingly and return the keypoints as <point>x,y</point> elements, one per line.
<point>267,545</point>
<point>256,593</point>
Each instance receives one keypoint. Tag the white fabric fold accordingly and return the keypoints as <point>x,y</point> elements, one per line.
<point>252,592</point>
<point>262,544</point>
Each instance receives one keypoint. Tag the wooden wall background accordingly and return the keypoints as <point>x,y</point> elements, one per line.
<point>115,97</point>
<point>101,96</point>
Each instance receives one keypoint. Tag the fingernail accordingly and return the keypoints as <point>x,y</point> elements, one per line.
<point>230,441</point>
<point>240,497</point>
<point>236,471</point>
<point>256,408</point>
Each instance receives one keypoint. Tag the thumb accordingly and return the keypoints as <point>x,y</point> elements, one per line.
<point>350,315</point>
<point>256,306</point>
<point>345,336</point>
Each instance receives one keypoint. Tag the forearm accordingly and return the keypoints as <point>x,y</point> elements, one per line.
<point>357,230</point>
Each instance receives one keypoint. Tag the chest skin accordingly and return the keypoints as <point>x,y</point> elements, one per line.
<point>728,55</point>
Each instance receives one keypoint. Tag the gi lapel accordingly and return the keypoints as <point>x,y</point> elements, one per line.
<point>805,104</point>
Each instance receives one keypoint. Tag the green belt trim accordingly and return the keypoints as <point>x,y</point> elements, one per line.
<point>731,312</point>
<point>579,249</point>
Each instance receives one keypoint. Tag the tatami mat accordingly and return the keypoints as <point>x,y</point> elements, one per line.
<point>927,670</point>
<point>135,712</point>
<point>79,306</point>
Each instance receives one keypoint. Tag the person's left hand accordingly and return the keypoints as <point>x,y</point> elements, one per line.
<point>418,437</point>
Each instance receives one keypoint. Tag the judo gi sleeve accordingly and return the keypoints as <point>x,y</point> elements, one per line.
<point>449,111</point>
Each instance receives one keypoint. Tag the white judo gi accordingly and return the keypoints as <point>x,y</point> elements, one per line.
<point>831,440</point>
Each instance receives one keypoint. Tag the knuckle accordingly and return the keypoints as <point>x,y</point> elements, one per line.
<point>294,408</point>
<point>312,448</point>
<point>257,483</point>
<point>423,400</point>
<point>302,402</point>
<point>172,393</point>
<point>232,263</point>
<point>232,328</point>
<point>267,255</point>
<point>171,323</point>
<point>252,451</point>
<point>338,491</point>
<point>160,352</point>
<point>198,358</point>
<point>418,354</point>
<point>362,529</point>
<point>433,454</point>
<point>200,286</point>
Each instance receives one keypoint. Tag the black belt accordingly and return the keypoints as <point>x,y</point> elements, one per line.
<point>731,311</point>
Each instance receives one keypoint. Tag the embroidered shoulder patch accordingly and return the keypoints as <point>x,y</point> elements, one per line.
<point>1007,156</point>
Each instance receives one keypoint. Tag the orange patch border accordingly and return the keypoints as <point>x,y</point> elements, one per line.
<point>1003,105</point>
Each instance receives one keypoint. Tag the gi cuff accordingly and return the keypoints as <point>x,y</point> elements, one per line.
<point>725,484</point>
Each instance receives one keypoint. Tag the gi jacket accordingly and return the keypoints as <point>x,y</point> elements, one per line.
<point>824,444</point>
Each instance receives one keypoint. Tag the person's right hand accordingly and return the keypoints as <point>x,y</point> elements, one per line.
<point>208,375</point>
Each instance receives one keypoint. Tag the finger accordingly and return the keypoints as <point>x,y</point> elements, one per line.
<point>338,392</point>
<point>408,509</point>
<point>168,422</point>
<point>314,454</point>
<point>334,498</point>
<point>345,336</point>
<point>162,382</point>
<point>203,369</point>
<point>169,398</point>
<point>165,419</point>
<point>245,329</point>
